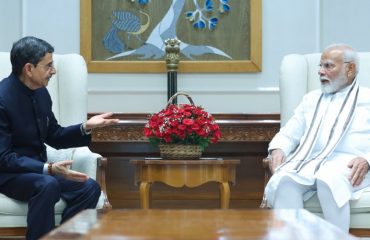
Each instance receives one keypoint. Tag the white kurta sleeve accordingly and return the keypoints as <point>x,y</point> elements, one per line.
<point>367,157</point>
<point>289,136</point>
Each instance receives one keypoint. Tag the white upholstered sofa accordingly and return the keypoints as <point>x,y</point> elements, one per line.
<point>299,75</point>
<point>68,89</point>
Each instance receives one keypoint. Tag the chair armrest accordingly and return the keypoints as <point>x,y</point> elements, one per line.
<point>100,177</point>
<point>265,166</point>
<point>85,161</point>
<point>94,165</point>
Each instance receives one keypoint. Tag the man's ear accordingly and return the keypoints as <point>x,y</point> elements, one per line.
<point>27,69</point>
<point>351,72</point>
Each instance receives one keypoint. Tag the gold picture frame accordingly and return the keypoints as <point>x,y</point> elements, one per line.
<point>251,63</point>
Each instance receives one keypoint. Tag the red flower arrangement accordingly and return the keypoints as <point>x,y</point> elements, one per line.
<point>182,124</point>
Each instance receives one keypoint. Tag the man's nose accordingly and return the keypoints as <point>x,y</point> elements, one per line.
<point>321,71</point>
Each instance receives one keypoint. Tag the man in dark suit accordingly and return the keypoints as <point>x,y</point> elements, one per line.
<point>26,124</point>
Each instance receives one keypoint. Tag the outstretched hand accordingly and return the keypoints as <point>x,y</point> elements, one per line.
<point>62,168</point>
<point>359,168</point>
<point>100,120</point>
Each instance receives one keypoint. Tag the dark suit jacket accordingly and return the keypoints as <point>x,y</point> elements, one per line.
<point>26,123</point>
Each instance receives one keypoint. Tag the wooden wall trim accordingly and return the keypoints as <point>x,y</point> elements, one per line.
<point>234,127</point>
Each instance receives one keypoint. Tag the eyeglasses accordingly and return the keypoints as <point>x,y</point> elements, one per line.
<point>328,66</point>
<point>48,66</point>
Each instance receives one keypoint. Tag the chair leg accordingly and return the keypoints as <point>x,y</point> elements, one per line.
<point>100,176</point>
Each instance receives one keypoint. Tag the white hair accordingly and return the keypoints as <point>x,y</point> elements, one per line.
<point>349,54</point>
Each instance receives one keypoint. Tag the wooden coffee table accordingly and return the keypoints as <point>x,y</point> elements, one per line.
<point>188,173</point>
<point>198,224</point>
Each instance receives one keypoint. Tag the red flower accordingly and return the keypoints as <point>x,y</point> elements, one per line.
<point>184,123</point>
<point>195,127</point>
<point>188,121</point>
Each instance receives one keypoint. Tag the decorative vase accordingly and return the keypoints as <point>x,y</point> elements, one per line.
<point>180,151</point>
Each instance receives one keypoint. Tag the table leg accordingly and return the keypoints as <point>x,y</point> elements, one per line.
<point>224,194</point>
<point>145,194</point>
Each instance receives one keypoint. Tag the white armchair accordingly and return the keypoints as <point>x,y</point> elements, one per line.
<point>68,90</point>
<point>299,75</point>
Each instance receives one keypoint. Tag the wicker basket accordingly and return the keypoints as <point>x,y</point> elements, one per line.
<point>180,151</point>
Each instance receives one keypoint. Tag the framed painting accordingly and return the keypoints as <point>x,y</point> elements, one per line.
<point>128,35</point>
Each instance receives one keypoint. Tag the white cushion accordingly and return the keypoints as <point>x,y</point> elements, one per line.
<point>55,155</point>
<point>9,206</point>
<point>13,212</point>
<point>361,205</point>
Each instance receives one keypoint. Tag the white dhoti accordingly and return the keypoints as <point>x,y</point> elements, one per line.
<point>334,172</point>
<point>288,189</point>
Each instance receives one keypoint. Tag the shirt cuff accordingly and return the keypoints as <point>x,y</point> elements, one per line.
<point>45,169</point>
<point>83,129</point>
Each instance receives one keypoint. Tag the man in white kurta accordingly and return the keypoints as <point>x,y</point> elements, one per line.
<point>325,147</point>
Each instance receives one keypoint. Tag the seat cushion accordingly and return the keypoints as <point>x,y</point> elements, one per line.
<point>13,213</point>
<point>361,205</point>
<point>10,206</point>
